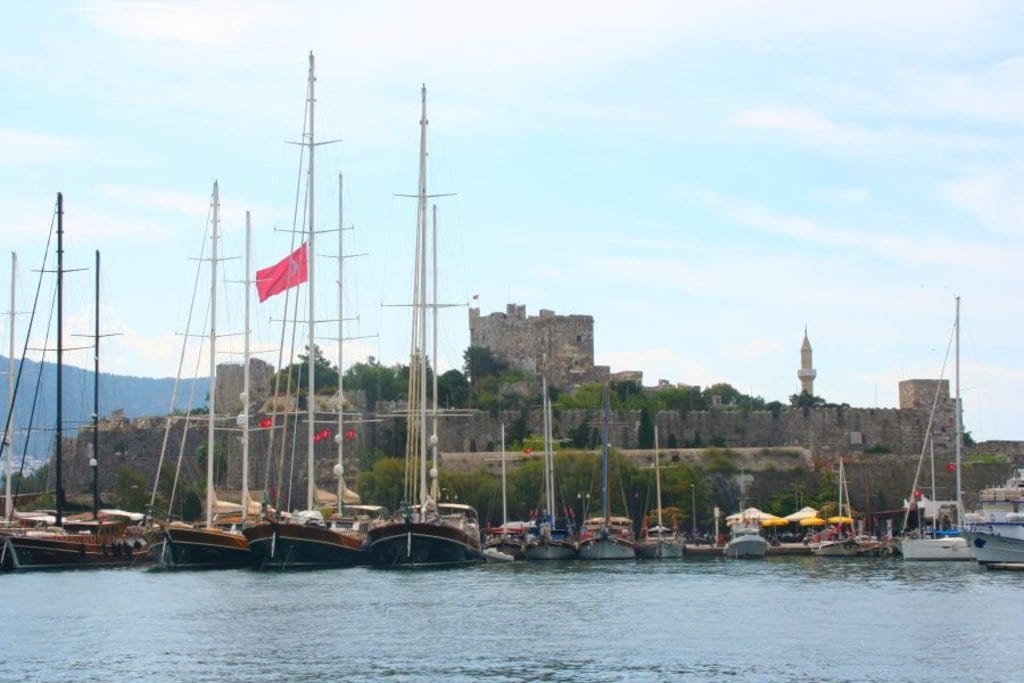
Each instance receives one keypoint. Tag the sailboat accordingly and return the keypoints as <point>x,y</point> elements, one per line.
<point>606,537</point>
<point>177,545</point>
<point>304,539</point>
<point>659,542</point>
<point>938,543</point>
<point>745,539</point>
<point>70,543</point>
<point>508,540</point>
<point>840,539</point>
<point>424,532</point>
<point>551,540</point>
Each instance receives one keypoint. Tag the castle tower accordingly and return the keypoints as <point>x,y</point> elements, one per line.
<point>806,373</point>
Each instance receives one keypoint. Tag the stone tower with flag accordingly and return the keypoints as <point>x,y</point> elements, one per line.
<point>806,373</point>
<point>560,347</point>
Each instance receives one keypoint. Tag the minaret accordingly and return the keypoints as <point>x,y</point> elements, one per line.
<point>806,373</point>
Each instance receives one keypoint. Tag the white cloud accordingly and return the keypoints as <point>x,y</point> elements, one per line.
<point>28,147</point>
<point>994,196</point>
<point>213,23</point>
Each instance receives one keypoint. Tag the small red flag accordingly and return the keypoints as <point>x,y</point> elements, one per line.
<point>266,422</point>
<point>287,273</point>
<point>950,467</point>
<point>350,434</point>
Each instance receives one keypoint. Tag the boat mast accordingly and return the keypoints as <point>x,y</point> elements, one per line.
<point>213,358</point>
<point>244,417</point>
<point>548,470</point>
<point>9,500</point>
<point>434,492</point>
<point>420,304</point>
<point>59,450</point>
<point>94,461</point>
<point>959,416</point>
<point>504,491</point>
<point>604,461</point>
<point>657,478</point>
<point>339,438</point>
<point>311,260</point>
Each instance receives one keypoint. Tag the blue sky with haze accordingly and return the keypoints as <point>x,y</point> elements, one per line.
<point>705,179</point>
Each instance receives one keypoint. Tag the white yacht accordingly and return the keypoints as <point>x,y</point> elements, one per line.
<point>996,531</point>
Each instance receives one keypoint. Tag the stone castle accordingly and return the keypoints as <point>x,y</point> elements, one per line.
<point>559,347</point>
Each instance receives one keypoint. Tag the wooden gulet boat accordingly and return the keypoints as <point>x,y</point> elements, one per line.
<point>424,533</point>
<point>204,546</point>
<point>607,537</point>
<point>72,543</point>
<point>305,539</point>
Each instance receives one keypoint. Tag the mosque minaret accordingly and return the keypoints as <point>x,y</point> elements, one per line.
<point>806,373</point>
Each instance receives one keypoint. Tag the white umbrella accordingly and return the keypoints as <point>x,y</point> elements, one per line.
<point>804,513</point>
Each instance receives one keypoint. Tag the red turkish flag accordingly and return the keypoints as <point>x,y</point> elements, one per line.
<point>287,273</point>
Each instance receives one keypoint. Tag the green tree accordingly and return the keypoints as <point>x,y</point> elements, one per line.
<point>296,375</point>
<point>130,490</point>
<point>479,362</point>
<point>645,434</point>
<point>377,382</point>
<point>453,390</point>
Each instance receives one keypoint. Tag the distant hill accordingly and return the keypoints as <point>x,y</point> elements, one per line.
<point>136,396</point>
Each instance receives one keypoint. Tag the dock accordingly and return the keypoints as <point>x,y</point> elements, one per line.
<point>773,551</point>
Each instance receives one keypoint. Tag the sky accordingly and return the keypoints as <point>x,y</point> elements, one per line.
<point>707,180</point>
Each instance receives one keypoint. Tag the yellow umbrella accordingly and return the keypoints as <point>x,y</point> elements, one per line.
<point>813,521</point>
<point>839,519</point>
<point>774,521</point>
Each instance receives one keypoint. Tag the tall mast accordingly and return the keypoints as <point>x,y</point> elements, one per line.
<point>59,450</point>
<point>9,508</point>
<point>213,358</point>
<point>604,461</point>
<point>434,493</point>
<point>547,446</point>
<point>94,461</point>
<point>504,492</point>
<point>419,306</point>
<point>959,417</point>
<point>339,438</point>
<point>311,260</point>
<point>244,417</point>
<point>657,477</point>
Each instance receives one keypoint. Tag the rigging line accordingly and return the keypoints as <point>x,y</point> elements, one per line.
<point>28,335</point>
<point>280,349</point>
<point>928,428</point>
<point>185,428</point>
<point>181,364</point>
<point>32,415</point>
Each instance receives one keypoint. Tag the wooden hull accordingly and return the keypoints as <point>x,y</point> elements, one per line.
<point>183,547</point>
<point>277,545</point>
<point>660,549</point>
<point>67,551</point>
<point>422,545</point>
<point>551,550</point>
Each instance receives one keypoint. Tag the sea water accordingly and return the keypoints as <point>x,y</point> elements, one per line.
<point>776,619</point>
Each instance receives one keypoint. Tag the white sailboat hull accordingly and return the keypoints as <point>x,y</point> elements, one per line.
<point>948,548</point>
<point>660,549</point>
<point>606,549</point>
<point>749,545</point>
